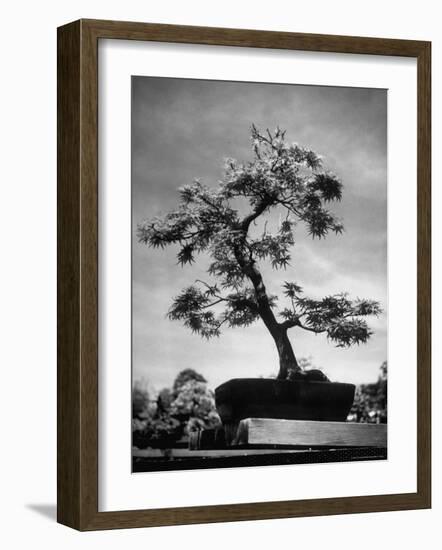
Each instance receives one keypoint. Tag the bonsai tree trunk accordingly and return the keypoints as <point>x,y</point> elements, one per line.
<point>287,359</point>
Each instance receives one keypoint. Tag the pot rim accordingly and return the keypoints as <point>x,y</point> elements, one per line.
<point>275,380</point>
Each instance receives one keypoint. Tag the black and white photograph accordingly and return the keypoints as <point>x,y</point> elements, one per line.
<point>259,274</point>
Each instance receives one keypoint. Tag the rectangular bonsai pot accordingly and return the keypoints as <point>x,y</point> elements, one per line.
<point>241,398</point>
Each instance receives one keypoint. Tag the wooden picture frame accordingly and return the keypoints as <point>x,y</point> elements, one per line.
<point>78,274</point>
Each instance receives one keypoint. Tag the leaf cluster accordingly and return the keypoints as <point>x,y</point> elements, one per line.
<point>339,317</point>
<point>281,175</point>
<point>192,307</point>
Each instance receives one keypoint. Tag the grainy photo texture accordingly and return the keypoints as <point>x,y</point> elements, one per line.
<point>259,274</point>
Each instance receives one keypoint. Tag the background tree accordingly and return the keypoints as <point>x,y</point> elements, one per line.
<point>187,375</point>
<point>210,220</point>
<point>370,403</point>
<point>152,424</point>
<point>194,407</point>
<point>188,406</point>
<point>140,400</point>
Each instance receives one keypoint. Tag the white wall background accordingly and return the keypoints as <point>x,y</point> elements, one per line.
<point>28,276</point>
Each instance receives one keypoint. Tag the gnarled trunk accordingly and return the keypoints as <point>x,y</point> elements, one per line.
<point>287,359</point>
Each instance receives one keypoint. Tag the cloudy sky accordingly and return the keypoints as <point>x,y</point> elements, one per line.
<point>183,129</point>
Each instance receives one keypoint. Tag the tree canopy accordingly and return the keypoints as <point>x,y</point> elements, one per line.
<point>370,403</point>
<point>175,412</point>
<point>185,376</point>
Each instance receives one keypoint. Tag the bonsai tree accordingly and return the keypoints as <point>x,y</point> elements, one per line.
<point>211,221</point>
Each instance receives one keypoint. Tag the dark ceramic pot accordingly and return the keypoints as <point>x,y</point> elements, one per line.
<point>292,400</point>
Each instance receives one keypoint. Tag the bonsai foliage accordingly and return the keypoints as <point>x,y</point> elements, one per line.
<point>211,221</point>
